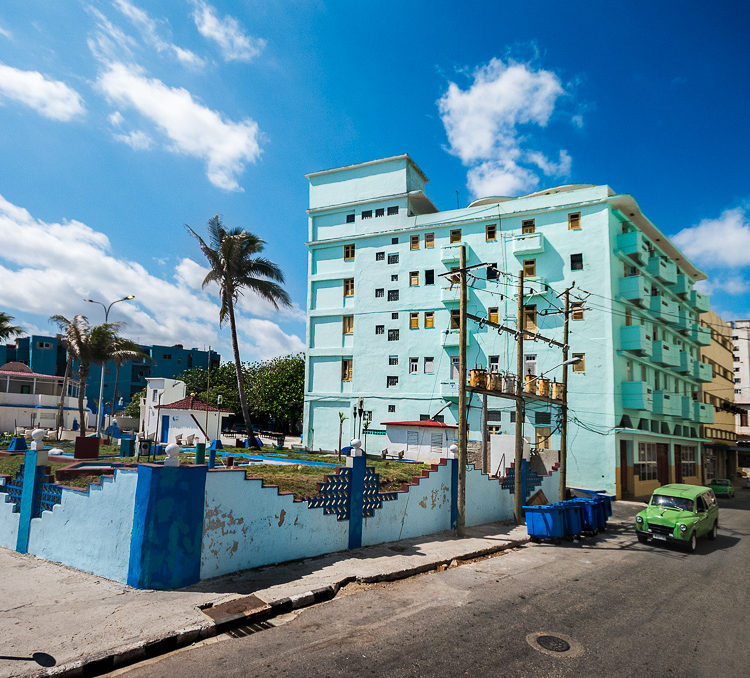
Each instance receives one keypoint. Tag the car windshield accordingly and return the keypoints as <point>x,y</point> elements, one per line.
<point>721,482</point>
<point>672,502</point>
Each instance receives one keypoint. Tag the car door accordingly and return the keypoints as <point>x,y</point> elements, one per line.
<point>703,524</point>
<point>713,508</point>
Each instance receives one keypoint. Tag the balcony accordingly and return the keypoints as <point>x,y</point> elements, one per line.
<point>703,413</point>
<point>686,363</point>
<point>663,308</point>
<point>637,395</point>
<point>687,407</point>
<point>635,288</point>
<point>662,269</point>
<point>449,389</point>
<point>450,295</point>
<point>452,338</point>
<point>683,318</point>
<point>631,245</point>
<point>702,371</point>
<point>667,403</point>
<point>699,334</point>
<point>683,285</point>
<point>450,254</point>
<point>635,338</point>
<point>700,302</point>
<point>528,243</point>
<point>665,354</point>
<point>534,285</point>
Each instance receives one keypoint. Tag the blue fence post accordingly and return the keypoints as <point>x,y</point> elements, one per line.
<point>454,491</point>
<point>524,479</point>
<point>31,495</point>
<point>356,499</point>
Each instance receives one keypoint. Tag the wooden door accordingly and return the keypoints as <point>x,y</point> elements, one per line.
<point>662,463</point>
<point>678,464</point>
<point>624,489</point>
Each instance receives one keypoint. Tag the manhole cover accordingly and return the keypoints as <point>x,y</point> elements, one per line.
<point>554,644</point>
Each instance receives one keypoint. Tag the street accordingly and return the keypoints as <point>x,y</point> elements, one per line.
<point>621,608</point>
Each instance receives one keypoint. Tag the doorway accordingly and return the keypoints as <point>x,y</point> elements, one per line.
<point>164,438</point>
<point>677,463</point>
<point>624,488</point>
<point>662,463</point>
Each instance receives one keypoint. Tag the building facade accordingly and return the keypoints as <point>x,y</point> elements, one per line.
<point>741,352</point>
<point>382,335</point>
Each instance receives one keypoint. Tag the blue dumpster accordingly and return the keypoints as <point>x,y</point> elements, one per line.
<point>127,447</point>
<point>592,517</point>
<point>572,518</point>
<point>605,498</point>
<point>545,522</point>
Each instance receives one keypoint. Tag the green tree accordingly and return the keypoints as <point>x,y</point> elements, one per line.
<point>231,254</point>
<point>7,330</point>
<point>276,389</point>
<point>133,408</point>
<point>223,382</point>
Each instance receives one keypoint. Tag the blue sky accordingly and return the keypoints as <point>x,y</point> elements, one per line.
<point>123,120</point>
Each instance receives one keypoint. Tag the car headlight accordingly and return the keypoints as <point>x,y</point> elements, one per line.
<point>683,528</point>
<point>639,520</point>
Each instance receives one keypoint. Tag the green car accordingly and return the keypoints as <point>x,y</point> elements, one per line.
<point>722,487</point>
<point>679,514</point>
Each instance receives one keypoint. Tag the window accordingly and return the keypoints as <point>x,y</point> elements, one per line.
<point>429,276</point>
<point>392,295</point>
<point>394,241</point>
<point>348,324</point>
<point>414,321</point>
<point>429,319</point>
<point>493,362</point>
<point>454,367</point>
<point>455,235</point>
<point>392,211</point>
<point>454,279</point>
<point>348,287</point>
<point>346,369</point>
<point>349,252</point>
<point>391,381</point>
<point>628,318</point>
<point>394,277</point>
<point>429,365</point>
<point>367,214</point>
<point>529,317</point>
<point>580,366</point>
<point>380,212</point>
<point>576,308</point>
<point>687,455</point>
<point>527,226</point>
<point>392,335</point>
<point>429,240</point>
<point>379,329</point>
<point>576,262</point>
<point>391,408</point>
<point>492,314</point>
<point>379,292</point>
<point>379,256</point>
<point>167,356</point>
<point>393,258</point>
<point>492,272</point>
<point>393,360</point>
<point>574,221</point>
<point>414,242</point>
<point>490,232</point>
<point>542,418</point>
<point>542,434</point>
<point>414,279</point>
<point>645,467</point>
<point>493,429</point>
<point>455,319</point>
<point>350,218</point>
<point>413,365</point>
<point>529,268</point>
<point>529,363</point>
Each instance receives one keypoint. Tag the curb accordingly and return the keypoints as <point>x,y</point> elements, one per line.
<point>96,665</point>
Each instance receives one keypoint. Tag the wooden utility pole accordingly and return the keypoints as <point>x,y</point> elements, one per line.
<point>518,508</point>
<point>485,437</point>
<point>462,428</point>
<point>564,405</point>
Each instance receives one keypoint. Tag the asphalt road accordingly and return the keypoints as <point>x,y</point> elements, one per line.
<point>626,609</point>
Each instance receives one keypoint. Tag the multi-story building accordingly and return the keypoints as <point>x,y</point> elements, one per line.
<point>741,351</point>
<point>47,355</point>
<point>382,318</point>
<point>720,450</point>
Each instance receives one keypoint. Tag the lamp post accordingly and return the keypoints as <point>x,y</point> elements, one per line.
<point>100,409</point>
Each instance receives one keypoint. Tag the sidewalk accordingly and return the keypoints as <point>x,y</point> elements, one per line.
<point>82,620</point>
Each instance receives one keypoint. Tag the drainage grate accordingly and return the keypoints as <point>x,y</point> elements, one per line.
<point>249,629</point>
<point>553,643</point>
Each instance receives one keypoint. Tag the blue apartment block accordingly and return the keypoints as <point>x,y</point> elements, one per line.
<point>382,319</point>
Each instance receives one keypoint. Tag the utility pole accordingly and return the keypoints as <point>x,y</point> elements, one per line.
<point>485,437</point>
<point>564,405</point>
<point>462,428</point>
<point>521,325</point>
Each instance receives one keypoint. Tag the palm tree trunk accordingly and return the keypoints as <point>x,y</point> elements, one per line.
<point>114,393</point>
<point>63,391</point>
<point>83,374</point>
<point>238,370</point>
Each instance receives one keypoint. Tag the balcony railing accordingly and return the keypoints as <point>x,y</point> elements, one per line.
<point>452,339</point>
<point>635,288</point>
<point>667,403</point>
<point>662,269</point>
<point>700,302</point>
<point>631,245</point>
<point>636,339</point>
<point>699,334</point>
<point>449,389</point>
<point>637,395</point>
<point>528,243</point>
<point>451,295</point>
<point>702,371</point>
<point>665,354</point>
<point>663,308</point>
<point>686,363</point>
<point>703,413</point>
<point>683,285</point>
<point>450,254</point>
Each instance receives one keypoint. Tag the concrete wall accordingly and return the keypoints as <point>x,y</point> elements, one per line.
<point>90,530</point>
<point>246,525</point>
<point>8,524</point>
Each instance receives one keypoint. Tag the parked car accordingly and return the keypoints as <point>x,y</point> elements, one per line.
<point>722,487</point>
<point>679,514</point>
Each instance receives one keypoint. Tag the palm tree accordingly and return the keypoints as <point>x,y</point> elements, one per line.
<point>231,254</point>
<point>6,329</point>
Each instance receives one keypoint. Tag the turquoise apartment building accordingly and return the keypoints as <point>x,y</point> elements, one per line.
<point>381,319</point>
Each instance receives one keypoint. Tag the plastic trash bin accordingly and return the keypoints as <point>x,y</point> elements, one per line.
<point>545,522</point>
<point>591,515</point>
<point>572,518</point>
<point>606,499</point>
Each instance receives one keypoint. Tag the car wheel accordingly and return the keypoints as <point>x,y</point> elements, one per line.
<point>692,543</point>
<point>714,530</point>
<point>642,538</point>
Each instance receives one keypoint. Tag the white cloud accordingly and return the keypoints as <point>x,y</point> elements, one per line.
<point>731,284</point>
<point>718,242</point>
<point>266,339</point>
<point>109,42</point>
<point>192,128</point>
<point>235,44</point>
<point>116,119</point>
<point>150,30</point>
<point>49,268</point>
<point>137,140</point>
<point>6,33</point>
<point>51,98</point>
<point>484,124</point>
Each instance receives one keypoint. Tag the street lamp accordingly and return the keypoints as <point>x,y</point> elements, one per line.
<point>100,409</point>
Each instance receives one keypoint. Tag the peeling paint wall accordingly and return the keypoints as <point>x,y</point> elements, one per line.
<point>424,509</point>
<point>90,530</point>
<point>8,524</point>
<point>486,500</point>
<point>246,525</point>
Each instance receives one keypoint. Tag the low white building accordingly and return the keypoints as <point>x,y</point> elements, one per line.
<point>31,400</point>
<point>426,441</point>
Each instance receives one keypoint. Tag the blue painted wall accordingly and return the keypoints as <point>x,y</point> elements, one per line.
<point>8,524</point>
